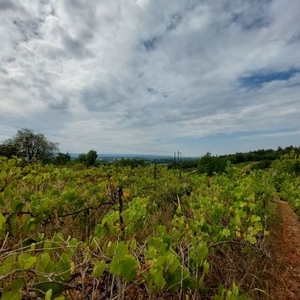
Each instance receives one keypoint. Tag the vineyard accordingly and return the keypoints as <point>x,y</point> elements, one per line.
<point>118,232</point>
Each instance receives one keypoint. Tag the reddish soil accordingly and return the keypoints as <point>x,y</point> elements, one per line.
<point>287,241</point>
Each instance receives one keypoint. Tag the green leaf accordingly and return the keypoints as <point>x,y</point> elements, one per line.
<point>16,205</point>
<point>48,295</point>
<point>18,284</point>
<point>48,245</point>
<point>206,267</point>
<point>26,261</point>
<point>251,239</point>
<point>29,262</point>
<point>172,261</point>
<point>159,279</point>
<point>7,265</point>
<point>226,232</point>
<point>2,222</point>
<point>114,267</point>
<point>235,289</point>
<point>121,249</point>
<point>2,225</point>
<point>2,202</point>
<point>99,268</point>
<point>111,248</point>
<point>11,295</point>
<point>64,267</point>
<point>46,286</point>
<point>258,226</point>
<point>129,267</point>
<point>44,263</point>
<point>255,219</point>
<point>202,251</point>
<point>126,266</point>
<point>133,245</point>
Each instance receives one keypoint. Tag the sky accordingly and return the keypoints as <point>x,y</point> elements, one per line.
<point>152,77</point>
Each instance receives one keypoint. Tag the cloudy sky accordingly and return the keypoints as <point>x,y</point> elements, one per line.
<point>142,76</point>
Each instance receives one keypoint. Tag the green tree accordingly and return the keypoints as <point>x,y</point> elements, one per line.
<point>89,159</point>
<point>62,158</point>
<point>82,158</point>
<point>30,146</point>
<point>8,150</point>
<point>206,164</point>
<point>209,164</point>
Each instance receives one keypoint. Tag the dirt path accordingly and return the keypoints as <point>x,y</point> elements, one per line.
<point>288,254</point>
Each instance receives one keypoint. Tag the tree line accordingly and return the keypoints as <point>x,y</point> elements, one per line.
<point>260,159</point>
<point>35,147</point>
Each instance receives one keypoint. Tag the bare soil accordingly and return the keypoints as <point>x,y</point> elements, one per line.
<point>287,253</point>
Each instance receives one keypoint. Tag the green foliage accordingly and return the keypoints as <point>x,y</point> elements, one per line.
<point>209,164</point>
<point>135,214</point>
<point>162,237</point>
<point>88,159</point>
<point>231,294</point>
<point>26,261</point>
<point>2,225</point>
<point>11,295</point>
<point>62,158</point>
<point>286,179</point>
<point>91,157</point>
<point>8,150</point>
<point>287,165</point>
<point>82,158</point>
<point>99,267</point>
<point>124,263</point>
<point>262,165</point>
<point>131,162</point>
<point>264,156</point>
<point>30,146</point>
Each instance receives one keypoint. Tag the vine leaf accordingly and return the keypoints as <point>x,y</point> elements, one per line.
<point>99,268</point>
<point>11,295</point>
<point>126,266</point>
<point>48,295</point>
<point>2,225</point>
<point>26,261</point>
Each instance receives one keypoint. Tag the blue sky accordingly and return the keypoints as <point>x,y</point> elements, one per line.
<point>152,77</point>
<point>258,79</point>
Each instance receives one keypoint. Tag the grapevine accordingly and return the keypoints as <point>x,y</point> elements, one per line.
<point>107,231</point>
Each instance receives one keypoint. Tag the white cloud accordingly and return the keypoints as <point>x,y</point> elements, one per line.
<point>124,76</point>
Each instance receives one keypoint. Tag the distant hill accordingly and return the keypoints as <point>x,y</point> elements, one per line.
<point>113,157</point>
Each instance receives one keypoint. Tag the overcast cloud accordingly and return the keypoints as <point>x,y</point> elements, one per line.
<point>141,76</point>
